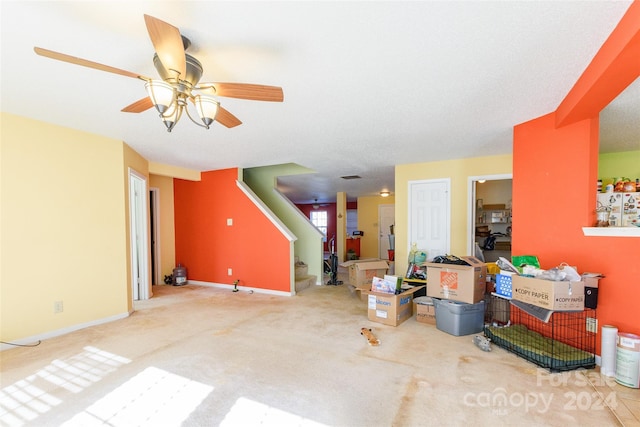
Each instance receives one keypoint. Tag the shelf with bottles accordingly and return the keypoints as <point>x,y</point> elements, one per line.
<point>493,214</point>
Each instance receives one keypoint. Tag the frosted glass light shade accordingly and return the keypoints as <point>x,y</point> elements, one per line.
<point>207,108</point>
<point>162,94</point>
<point>172,115</point>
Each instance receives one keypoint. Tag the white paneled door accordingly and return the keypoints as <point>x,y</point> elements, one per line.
<point>429,216</point>
<point>139,235</point>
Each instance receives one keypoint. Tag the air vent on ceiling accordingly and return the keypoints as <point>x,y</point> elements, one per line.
<point>351,177</point>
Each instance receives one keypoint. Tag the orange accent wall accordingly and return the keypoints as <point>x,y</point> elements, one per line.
<point>253,247</point>
<point>554,176</point>
<point>555,173</point>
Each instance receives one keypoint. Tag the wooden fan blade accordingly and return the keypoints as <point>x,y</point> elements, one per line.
<point>85,63</point>
<point>139,106</point>
<point>227,119</point>
<point>246,91</point>
<point>167,42</point>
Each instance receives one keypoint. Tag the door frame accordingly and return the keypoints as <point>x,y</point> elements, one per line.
<point>154,215</point>
<point>138,226</point>
<point>471,205</point>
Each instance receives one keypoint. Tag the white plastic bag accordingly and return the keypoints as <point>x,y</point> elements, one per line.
<point>571,273</point>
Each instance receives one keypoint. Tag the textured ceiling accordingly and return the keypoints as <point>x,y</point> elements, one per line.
<point>367,85</point>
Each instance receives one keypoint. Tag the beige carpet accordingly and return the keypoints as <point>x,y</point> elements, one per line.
<point>200,356</point>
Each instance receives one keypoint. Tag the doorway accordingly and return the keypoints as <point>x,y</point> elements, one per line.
<point>386,219</point>
<point>138,235</point>
<point>154,225</point>
<point>489,215</point>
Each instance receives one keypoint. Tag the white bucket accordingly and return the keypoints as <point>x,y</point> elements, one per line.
<point>628,360</point>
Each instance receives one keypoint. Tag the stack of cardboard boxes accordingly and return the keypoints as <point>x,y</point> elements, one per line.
<point>457,292</point>
<point>383,307</point>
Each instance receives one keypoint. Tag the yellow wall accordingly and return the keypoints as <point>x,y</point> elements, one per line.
<point>174,171</point>
<point>63,228</point>
<point>368,223</point>
<point>458,171</point>
<point>166,225</point>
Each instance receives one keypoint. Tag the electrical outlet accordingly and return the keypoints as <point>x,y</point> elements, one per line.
<point>592,324</point>
<point>229,272</point>
<point>229,221</point>
<point>58,307</point>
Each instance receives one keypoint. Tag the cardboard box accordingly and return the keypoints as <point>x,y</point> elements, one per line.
<point>549,294</point>
<point>363,290</point>
<point>425,310</point>
<point>389,309</point>
<point>363,271</point>
<point>463,283</point>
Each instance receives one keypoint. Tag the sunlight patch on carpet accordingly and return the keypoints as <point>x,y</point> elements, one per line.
<point>246,412</point>
<point>154,397</point>
<point>27,399</point>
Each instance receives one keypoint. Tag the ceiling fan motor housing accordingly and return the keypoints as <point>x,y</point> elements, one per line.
<point>194,71</point>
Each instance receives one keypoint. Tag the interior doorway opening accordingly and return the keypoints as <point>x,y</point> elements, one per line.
<point>154,226</point>
<point>490,217</point>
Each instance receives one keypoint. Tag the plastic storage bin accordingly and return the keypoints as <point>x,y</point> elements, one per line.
<point>457,318</point>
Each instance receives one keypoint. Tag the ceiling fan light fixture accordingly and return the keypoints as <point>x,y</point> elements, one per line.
<point>180,74</point>
<point>172,115</point>
<point>162,94</point>
<point>384,194</point>
<point>207,108</point>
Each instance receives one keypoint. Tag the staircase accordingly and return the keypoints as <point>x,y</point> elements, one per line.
<point>302,277</point>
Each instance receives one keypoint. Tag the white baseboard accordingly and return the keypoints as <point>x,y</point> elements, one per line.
<point>58,332</point>
<point>240,288</point>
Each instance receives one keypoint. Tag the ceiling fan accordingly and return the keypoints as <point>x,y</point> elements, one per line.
<point>180,81</point>
<point>317,205</point>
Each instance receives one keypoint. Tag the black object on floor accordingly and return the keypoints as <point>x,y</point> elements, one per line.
<point>333,264</point>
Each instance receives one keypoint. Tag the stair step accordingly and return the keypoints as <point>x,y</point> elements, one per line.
<point>302,270</point>
<point>304,282</point>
